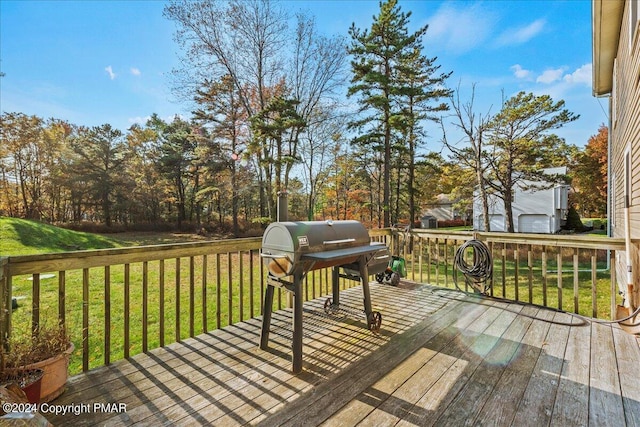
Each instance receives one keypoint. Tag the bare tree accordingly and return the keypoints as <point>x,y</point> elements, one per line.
<point>317,145</point>
<point>473,126</point>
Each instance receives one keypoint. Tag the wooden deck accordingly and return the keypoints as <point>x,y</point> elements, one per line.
<point>441,358</point>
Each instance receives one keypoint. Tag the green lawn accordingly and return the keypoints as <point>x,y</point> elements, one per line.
<point>24,237</point>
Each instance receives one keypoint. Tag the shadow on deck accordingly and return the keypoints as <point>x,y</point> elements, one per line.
<point>441,358</point>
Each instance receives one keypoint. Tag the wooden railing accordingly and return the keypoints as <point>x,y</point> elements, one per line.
<point>120,302</point>
<point>568,272</point>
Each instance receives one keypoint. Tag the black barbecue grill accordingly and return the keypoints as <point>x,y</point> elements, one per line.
<point>291,249</point>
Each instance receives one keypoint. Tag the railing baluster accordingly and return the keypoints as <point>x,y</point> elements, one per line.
<point>177,291</point>
<point>62,297</point>
<point>493,281</point>
<point>612,273</point>
<point>429,260</point>
<point>127,271</point>
<point>559,261</point>
<point>5,304</point>
<point>192,296</point>
<point>421,240</point>
<point>576,282</point>
<point>218,292</point>
<point>544,276</point>
<point>35,303</point>
<point>229,291</point>
<point>145,307</point>
<point>107,315</point>
<point>205,328</point>
<point>85,319</point>
<point>326,281</point>
<point>446,262</point>
<point>594,281</point>
<point>412,249</point>
<point>530,273</point>
<point>516,271</point>
<point>241,284</point>
<point>161,297</point>
<point>437,262</point>
<point>503,259</point>
<point>251,290</point>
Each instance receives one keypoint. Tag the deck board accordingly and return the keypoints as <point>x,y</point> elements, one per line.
<point>441,358</point>
<point>536,406</point>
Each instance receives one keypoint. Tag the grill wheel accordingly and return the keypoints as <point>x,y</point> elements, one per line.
<point>374,321</point>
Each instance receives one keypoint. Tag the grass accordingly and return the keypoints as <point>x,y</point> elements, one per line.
<point>24,237</point>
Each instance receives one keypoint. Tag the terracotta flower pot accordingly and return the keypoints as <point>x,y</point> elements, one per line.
<point>56,372</point>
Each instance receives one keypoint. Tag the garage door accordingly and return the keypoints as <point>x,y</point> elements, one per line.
<point>496,222</point>
<point>538,223</point>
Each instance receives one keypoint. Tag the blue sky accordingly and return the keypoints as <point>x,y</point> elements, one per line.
<point>96,62</point>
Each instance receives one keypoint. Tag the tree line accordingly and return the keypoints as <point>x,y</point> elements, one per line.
<point>269,114</point>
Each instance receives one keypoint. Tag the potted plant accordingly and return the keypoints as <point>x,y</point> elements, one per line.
<point>49,350</point>
<point>28,380</point>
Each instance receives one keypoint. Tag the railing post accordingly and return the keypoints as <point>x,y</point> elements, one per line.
<point>5,304</point>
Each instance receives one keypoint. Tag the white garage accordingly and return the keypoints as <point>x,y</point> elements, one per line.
<point>533,223</point>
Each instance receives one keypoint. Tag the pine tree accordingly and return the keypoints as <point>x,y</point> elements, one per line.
<point>389,77</point>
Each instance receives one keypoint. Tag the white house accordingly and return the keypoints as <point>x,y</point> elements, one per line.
<point>616,75</point>
<point>442,209</point>
<point>534,211</point>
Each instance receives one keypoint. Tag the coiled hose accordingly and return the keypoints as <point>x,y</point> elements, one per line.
<point>478,274</point>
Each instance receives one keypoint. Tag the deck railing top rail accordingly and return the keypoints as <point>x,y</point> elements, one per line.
<point>31,264</point>
<point>560,240</point>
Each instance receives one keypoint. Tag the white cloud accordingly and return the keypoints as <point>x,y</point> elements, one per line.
<point>109,71</point>
<point>135,71</point>
<point>581,75</point>
<point>550,76</point>
<point>520,72</point>
<point>519,35</point>
<point>139,120</point>
<point>459,29</point>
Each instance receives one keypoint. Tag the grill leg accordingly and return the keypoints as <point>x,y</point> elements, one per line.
<point>266,317</point>
<point>335,286</point>
<point>297,324</point>
<point>364,278</point>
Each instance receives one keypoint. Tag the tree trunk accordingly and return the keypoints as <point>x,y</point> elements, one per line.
<point>508,208</point>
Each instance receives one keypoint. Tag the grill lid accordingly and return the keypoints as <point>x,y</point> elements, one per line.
<point>285,245</point>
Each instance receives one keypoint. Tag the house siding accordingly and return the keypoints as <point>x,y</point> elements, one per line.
<point>625,138</point>
<point>526,204</point>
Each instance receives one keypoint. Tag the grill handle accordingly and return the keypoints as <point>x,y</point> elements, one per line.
<point>273,256</point>
<point>337,242</point>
